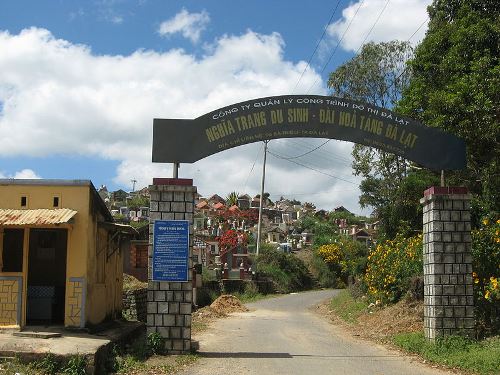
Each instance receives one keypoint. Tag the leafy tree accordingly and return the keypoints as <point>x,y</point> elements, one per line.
<point>232,199</point>
<point>138,201</point>
<point>455,86</point>
<point>378,76</point>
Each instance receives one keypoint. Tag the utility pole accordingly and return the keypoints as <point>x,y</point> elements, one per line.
<point>175,170</point>
<point>261,201</point>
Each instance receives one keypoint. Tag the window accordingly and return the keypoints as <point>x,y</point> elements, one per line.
<point>24,201</point>
<point>55,202</point>
<point>12,250</point>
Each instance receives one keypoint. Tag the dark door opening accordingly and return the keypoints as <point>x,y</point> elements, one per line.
<point>46,276</point>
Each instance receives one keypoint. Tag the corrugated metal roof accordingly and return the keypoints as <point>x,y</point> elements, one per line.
<point>36,216</point>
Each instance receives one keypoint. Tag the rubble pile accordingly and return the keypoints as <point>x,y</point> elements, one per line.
<point>227,304</point>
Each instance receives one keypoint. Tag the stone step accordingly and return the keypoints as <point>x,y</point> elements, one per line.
<point>37,335</point>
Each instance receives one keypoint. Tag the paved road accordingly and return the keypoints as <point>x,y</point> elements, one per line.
<point>282,336</point>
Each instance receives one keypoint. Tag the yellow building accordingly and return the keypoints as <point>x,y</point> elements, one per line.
<point>60,254</point>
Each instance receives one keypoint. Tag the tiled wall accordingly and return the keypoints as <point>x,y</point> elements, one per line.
<point>10,300</point>
<point>170,303</point>
<point>448,284</point>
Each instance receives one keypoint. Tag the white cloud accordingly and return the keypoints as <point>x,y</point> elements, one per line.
<point>399,21</point>
<point>190,25</point>
<point>23,174</point>
<point>59,98</point>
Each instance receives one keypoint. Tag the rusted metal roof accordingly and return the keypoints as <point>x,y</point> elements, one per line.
<point>124,228</point>
<point>36,216</point>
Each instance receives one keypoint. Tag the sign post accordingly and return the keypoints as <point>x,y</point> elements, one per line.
<point>171,250</point>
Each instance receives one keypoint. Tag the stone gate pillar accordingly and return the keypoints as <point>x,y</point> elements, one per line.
<point>170,303</point>
<point>448,284</point>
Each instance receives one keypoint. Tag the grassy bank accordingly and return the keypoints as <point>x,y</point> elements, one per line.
<point>347,308</point>
<point>481,357</point>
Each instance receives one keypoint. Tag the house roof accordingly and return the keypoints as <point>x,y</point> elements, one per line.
<point>95,197</point>
<point>36,216</point>
<point>123,228</point>
<point>202,204</point>
<point>218,205</point>
<point>216,198</point>
<point>234,208</point>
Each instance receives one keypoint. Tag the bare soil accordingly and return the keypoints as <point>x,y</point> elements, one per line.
<point>380,323</point>
<point>220,308</point>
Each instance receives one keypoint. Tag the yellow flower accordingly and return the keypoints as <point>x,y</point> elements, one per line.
<point>487,294</point>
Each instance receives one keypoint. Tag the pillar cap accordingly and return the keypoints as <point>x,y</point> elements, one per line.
<point>446,190</point>
<point>173,181</point>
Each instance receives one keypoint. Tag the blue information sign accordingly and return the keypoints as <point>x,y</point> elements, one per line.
<point>170,250</point>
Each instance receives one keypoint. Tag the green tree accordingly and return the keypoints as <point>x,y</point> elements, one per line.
<point>378,75</point>
<point>232,199</point>
<point>455,86</point>
<point>138,201</point>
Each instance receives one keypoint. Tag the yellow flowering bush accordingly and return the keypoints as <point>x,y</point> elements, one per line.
<point>391,265</point>
<point>486,275</point>
<point>331,253</point>
<point>344,258</point>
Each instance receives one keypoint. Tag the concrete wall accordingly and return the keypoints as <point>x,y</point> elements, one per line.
<point>448,285</point>
<point>87,300</point>
<point>170,303</point>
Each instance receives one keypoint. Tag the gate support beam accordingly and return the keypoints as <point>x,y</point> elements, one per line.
<point>170,303</point>
<point>448,284</point>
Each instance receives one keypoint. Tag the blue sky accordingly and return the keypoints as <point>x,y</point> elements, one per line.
<point>82,80</point>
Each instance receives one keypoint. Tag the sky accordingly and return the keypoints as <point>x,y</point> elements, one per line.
<point>82,81</point>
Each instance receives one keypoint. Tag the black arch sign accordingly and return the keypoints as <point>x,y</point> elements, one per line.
<point>292,116</point>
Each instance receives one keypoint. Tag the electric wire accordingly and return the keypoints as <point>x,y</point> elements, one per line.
<point>313,169</point>
<point>337,46</point>
<point>308,152</point>
<point>373,26</point>
<point>317,46</point>
<point>404,69</point>
<point>251,169</point>
<point>327,155</point>
<point>416,31</point>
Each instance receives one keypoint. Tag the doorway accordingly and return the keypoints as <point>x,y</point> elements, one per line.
<point>46,276</point>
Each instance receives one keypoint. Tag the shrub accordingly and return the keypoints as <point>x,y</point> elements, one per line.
<point>76,365</point>
<point>391,265</point>
<point>287,272</point>
<point>349,255</point>
<point>48,364</point>
<point>486,275</point>
<point>326,273</point>
<point>156,343</point>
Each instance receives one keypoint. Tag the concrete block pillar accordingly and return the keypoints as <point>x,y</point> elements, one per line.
<point>448,284</point>
<point>170,303</point>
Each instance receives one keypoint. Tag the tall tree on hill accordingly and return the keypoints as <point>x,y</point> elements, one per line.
<point>378,75</point>
<point>455,86</point>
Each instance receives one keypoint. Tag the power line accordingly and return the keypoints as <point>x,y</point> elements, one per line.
<point>322,153</point>
<point>251,169</point>
<point>313,169</point>
<point>310,151</point>
<point>312,164</point>
<point>404,69</point>
<point>317,46</point>
<point>416,31</point>
<point>338,43</point>
<point>318,193</point>
<point>373,26</point>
